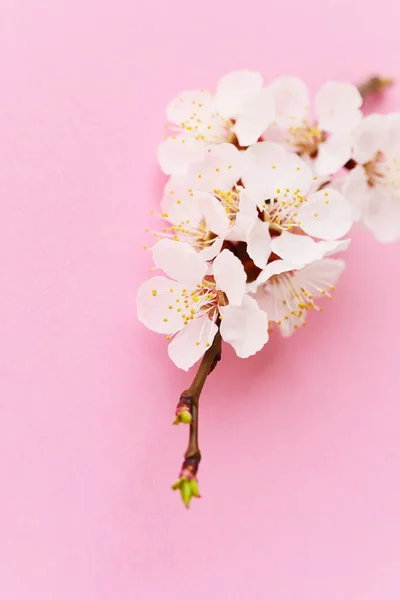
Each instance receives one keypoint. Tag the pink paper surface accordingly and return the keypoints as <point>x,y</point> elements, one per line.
<point>300,476</point>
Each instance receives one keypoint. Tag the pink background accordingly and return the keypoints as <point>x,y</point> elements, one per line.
<point>300,477</point>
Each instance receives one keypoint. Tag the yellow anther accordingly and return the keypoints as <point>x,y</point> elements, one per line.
<point>154,292</point>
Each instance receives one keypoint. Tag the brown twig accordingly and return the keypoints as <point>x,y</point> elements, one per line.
<point>189,403</point>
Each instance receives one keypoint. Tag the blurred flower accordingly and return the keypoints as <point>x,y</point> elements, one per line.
<point>327,140</point>
<point>373,186</point>
<point>240,109</point>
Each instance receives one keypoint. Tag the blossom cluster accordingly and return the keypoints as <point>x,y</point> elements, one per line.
<point>263,188</point>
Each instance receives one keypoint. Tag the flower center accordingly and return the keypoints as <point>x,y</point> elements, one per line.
<point>230,200</point>
<point>383,171</point>
<point>200,301</point>
<point>306,139</point>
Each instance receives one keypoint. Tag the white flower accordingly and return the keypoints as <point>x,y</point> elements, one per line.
<point>327,140</point>
<point>287,292</point>
<point>373,186</point>
<point>208,206</point>
<point>280,182</point>
<point>241,108</point>
<point>196,296</point>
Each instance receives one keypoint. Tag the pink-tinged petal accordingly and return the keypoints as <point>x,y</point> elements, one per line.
<point>179,261</point>
<point>275,267</point>
<point>333,154</point>
<point>338,107</point>
<point>319,277</point>
<point>264,169</point>
<point>177,152</point>
<point>213,212</point>
<point>244,327</point>
<point>354,187</point>
<point>192,103</point>
<point>230,276</point>
<point>383,216</point>
<point>292,101</point>
<point>254,118</point>
<point>259,243</point>
<point>179,204</point>
<point>189,345</point>
<point>234,89</point>
<point>371,136</point>
<point>326,215</point>
<point>220,169</point>
<point>156,305</point>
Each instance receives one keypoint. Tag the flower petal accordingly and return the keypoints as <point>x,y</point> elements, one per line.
<point>212,250</point>
<point>254,118</point>
<point>213,213</point>
<point>264,169</point>
<point>259,243</point>
<point>179,204</point>
<point>230,276</point>
<point>246,217</point>
<point>275,267</point>
<point>189,345</point>
<point>220,169</point>
<point>188,104</point>
<point>301,250</point>
<point>292,102</point>
<point>383,216</point>
<point>337,106</point>
<point>156,305</point>
<point>355,188</point>
<point>244,327</point>
<point>234,89</point>
<point>370,137</point>
<point>333,154</point>
<point>319,277</point>
<point>176,152</point>
<point>326,215</point>
<point>179,261</point>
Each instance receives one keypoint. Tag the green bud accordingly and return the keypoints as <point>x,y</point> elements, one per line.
<point>185,417</point>
<point>195,488</point>
<point>186,492</point>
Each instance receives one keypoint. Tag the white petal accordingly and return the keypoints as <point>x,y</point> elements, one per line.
<point>337,106</point>
<point>264,168</point>
<point>292,101</point>
<point>177,152</point>
<point>383,216</point>
<point>246,217</point>
<point>370,137</point>
<point>296,249</point>
<point>220,169</point>
<point>192,103</point>
<point>333,154</point>
<point>189,345</point>
<point>214,214</point>
<point>255,116</point>
<point>259,243</point>
<point>298,175</point>
<point>179,204</point>
<point>234,89</point>
<point>355,188</point>
<point>212,250</point>
<point>156,305</point>
<point>244,327</point>
<point>230,276</point>
<point>275,267</point>
<point>179,261</point>
<point>319,277</point>
<point>326,215</point>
